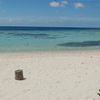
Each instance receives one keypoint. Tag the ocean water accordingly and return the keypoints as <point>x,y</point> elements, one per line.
<point>30,39</point>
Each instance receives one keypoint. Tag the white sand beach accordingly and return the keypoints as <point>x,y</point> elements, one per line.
<point>50,76</point>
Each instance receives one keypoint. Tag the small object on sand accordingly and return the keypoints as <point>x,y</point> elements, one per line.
<point>19,75</point>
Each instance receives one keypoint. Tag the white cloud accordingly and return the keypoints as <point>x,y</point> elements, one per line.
<point>48,21</point>
<point>64,3</point>
<point>55,4</point>
<point>79,5</point>
<point>58,4</point>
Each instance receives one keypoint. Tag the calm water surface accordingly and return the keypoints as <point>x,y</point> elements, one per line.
<point>21,40</point>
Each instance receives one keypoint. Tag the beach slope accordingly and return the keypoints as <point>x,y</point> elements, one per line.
<point>50,76</point>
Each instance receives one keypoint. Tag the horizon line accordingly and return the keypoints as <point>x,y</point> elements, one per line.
<point>24,26</point>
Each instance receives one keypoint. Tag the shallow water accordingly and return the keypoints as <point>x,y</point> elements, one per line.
<point>49,40</point>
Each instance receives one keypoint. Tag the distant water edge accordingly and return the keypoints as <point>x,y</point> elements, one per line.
<point>44,28</point>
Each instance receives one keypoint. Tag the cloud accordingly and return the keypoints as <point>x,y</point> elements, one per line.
<point>49,21</point>
<point>79,19</point>
<point>79,5</point>
<point>63,3</point>
<point>54,4</point>
<point>58,4</point>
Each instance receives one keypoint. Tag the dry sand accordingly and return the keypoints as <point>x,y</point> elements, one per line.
<point>50,76</point>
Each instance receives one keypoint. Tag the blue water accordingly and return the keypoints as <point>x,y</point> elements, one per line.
<point>29,39</point>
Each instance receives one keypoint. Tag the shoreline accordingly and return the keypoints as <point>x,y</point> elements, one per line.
<point>97,52</point>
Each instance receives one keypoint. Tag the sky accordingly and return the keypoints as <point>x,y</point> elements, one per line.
<point>59,13</point>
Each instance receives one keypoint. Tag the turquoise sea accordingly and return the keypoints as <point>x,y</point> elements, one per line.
<point>29,39</point>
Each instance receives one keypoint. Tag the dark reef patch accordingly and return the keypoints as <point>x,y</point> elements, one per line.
<point>36,35</point>
<point>80,44</point>
<point>29,35</point>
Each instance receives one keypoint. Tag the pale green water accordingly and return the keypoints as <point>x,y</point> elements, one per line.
<point>47,40</point>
